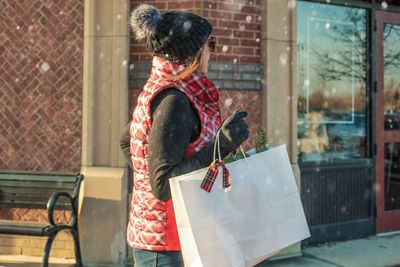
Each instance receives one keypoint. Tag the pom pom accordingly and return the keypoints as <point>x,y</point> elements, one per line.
<point>144,20</point>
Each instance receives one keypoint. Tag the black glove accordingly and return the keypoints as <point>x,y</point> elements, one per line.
<point>234,130</point>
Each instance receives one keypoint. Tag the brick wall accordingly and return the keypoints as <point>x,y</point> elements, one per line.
<point>41,47</point>
<point>235,65</point>
<point>63,245</point>
<point>41,72</point>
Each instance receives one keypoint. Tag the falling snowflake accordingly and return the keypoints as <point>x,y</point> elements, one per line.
<point>187,25</point>
<point>228,102</point>
<point>248,18</point>
<point>283,58</point>
<point>384,4</point>
<point>124,63</point>
<point>118,17</point>
<point>45,67</point>
<point>291,3</point>
<point>224,48</point>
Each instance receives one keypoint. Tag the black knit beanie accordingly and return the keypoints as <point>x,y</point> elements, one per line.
<point>175,35</point>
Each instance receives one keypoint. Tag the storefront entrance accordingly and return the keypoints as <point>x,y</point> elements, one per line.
<point>388,121</point>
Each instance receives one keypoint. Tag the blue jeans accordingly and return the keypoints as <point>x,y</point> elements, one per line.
<point>149,258</point>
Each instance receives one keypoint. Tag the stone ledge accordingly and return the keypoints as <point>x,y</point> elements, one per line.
<point>229,76</point>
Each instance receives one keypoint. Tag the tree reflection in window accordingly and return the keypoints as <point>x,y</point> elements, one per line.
<point>332,69</point>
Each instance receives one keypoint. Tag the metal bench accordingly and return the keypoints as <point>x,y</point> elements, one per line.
<point>41,191</point>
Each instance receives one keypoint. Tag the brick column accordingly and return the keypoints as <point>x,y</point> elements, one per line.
<point>279,108</point>
<point>103,207</point>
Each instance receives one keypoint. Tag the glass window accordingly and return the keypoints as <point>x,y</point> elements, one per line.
<point>331,80</point>
<point>391,61</point>
<point>392,176</point>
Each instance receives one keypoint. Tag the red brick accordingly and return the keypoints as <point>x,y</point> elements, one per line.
<point>244,34</point>
<point>146,57</point>
<point>198,4</point>
<point>243,17</point>
<point>159,5</point>
<point>228,58</point>
<point>227,41</point>
<point>233,7</point>
<point>251,26</point>
<point>221,15</point>
<point>246,42</point>
<point>243,51</point>
<point>250,9</point>
<point>224,50</point>
<point>248,59</point>
<point>210,5</point>
<point>180,5</point>
<point>139,49</point>
<point>228,24</point>
<point>222,32</point>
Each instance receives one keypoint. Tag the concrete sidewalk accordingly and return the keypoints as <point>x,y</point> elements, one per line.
<point>373,251</point>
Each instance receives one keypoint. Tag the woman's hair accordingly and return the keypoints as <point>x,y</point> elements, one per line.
<point>191,64</point>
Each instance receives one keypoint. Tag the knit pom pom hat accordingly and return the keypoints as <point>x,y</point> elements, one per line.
<point>175,35</point>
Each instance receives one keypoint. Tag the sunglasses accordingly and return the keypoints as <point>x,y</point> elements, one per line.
<point>211,43</point>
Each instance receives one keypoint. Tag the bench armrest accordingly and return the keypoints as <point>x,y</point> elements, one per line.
<point>52,203</point>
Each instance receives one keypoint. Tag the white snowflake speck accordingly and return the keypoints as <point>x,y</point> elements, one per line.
<point>384,4</point>
<point>45,67</point>
<point>291,3</point>
<point>187,25</point>
<point>118,17</point>
<point>283,58</point>
<point>248,18</point>
<point>124,63</point>
<point>228,102</point>
<point>224,48</point>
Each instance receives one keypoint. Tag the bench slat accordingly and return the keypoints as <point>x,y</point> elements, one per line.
<point>8,198</point>
<point>37,177</point>
<point>21,228</point>
<point>30,191</point>
<point>35,184</point>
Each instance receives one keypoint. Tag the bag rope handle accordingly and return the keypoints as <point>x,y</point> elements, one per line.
<point>212,172</point>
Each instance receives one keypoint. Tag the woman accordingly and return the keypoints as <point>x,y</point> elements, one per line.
<point>173,127</point>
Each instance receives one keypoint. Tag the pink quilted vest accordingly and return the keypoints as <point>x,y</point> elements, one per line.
<point>152,224</point>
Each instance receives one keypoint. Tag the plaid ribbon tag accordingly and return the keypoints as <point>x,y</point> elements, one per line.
<point>212,174</point>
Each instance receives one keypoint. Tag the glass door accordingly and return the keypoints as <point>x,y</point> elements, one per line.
<point>388,121</point>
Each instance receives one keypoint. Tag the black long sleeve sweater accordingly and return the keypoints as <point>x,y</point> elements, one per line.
<point>175,125</point>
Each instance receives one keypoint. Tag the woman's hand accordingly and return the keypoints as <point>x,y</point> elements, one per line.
<point>234,130</point>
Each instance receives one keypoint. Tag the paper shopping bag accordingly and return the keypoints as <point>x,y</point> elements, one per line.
<point>260,214</point>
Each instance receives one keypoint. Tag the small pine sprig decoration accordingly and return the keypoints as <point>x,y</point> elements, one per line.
<point>260,141</point>
<point>240,155</point>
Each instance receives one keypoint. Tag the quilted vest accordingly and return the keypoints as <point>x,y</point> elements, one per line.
<point>152,224</point>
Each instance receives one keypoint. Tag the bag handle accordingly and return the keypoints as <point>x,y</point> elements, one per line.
<point>212,172</point>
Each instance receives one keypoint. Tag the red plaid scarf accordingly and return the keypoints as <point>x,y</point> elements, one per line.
<point>152,223</point>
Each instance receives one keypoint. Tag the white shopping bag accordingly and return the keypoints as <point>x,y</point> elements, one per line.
<point>261,214</point>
